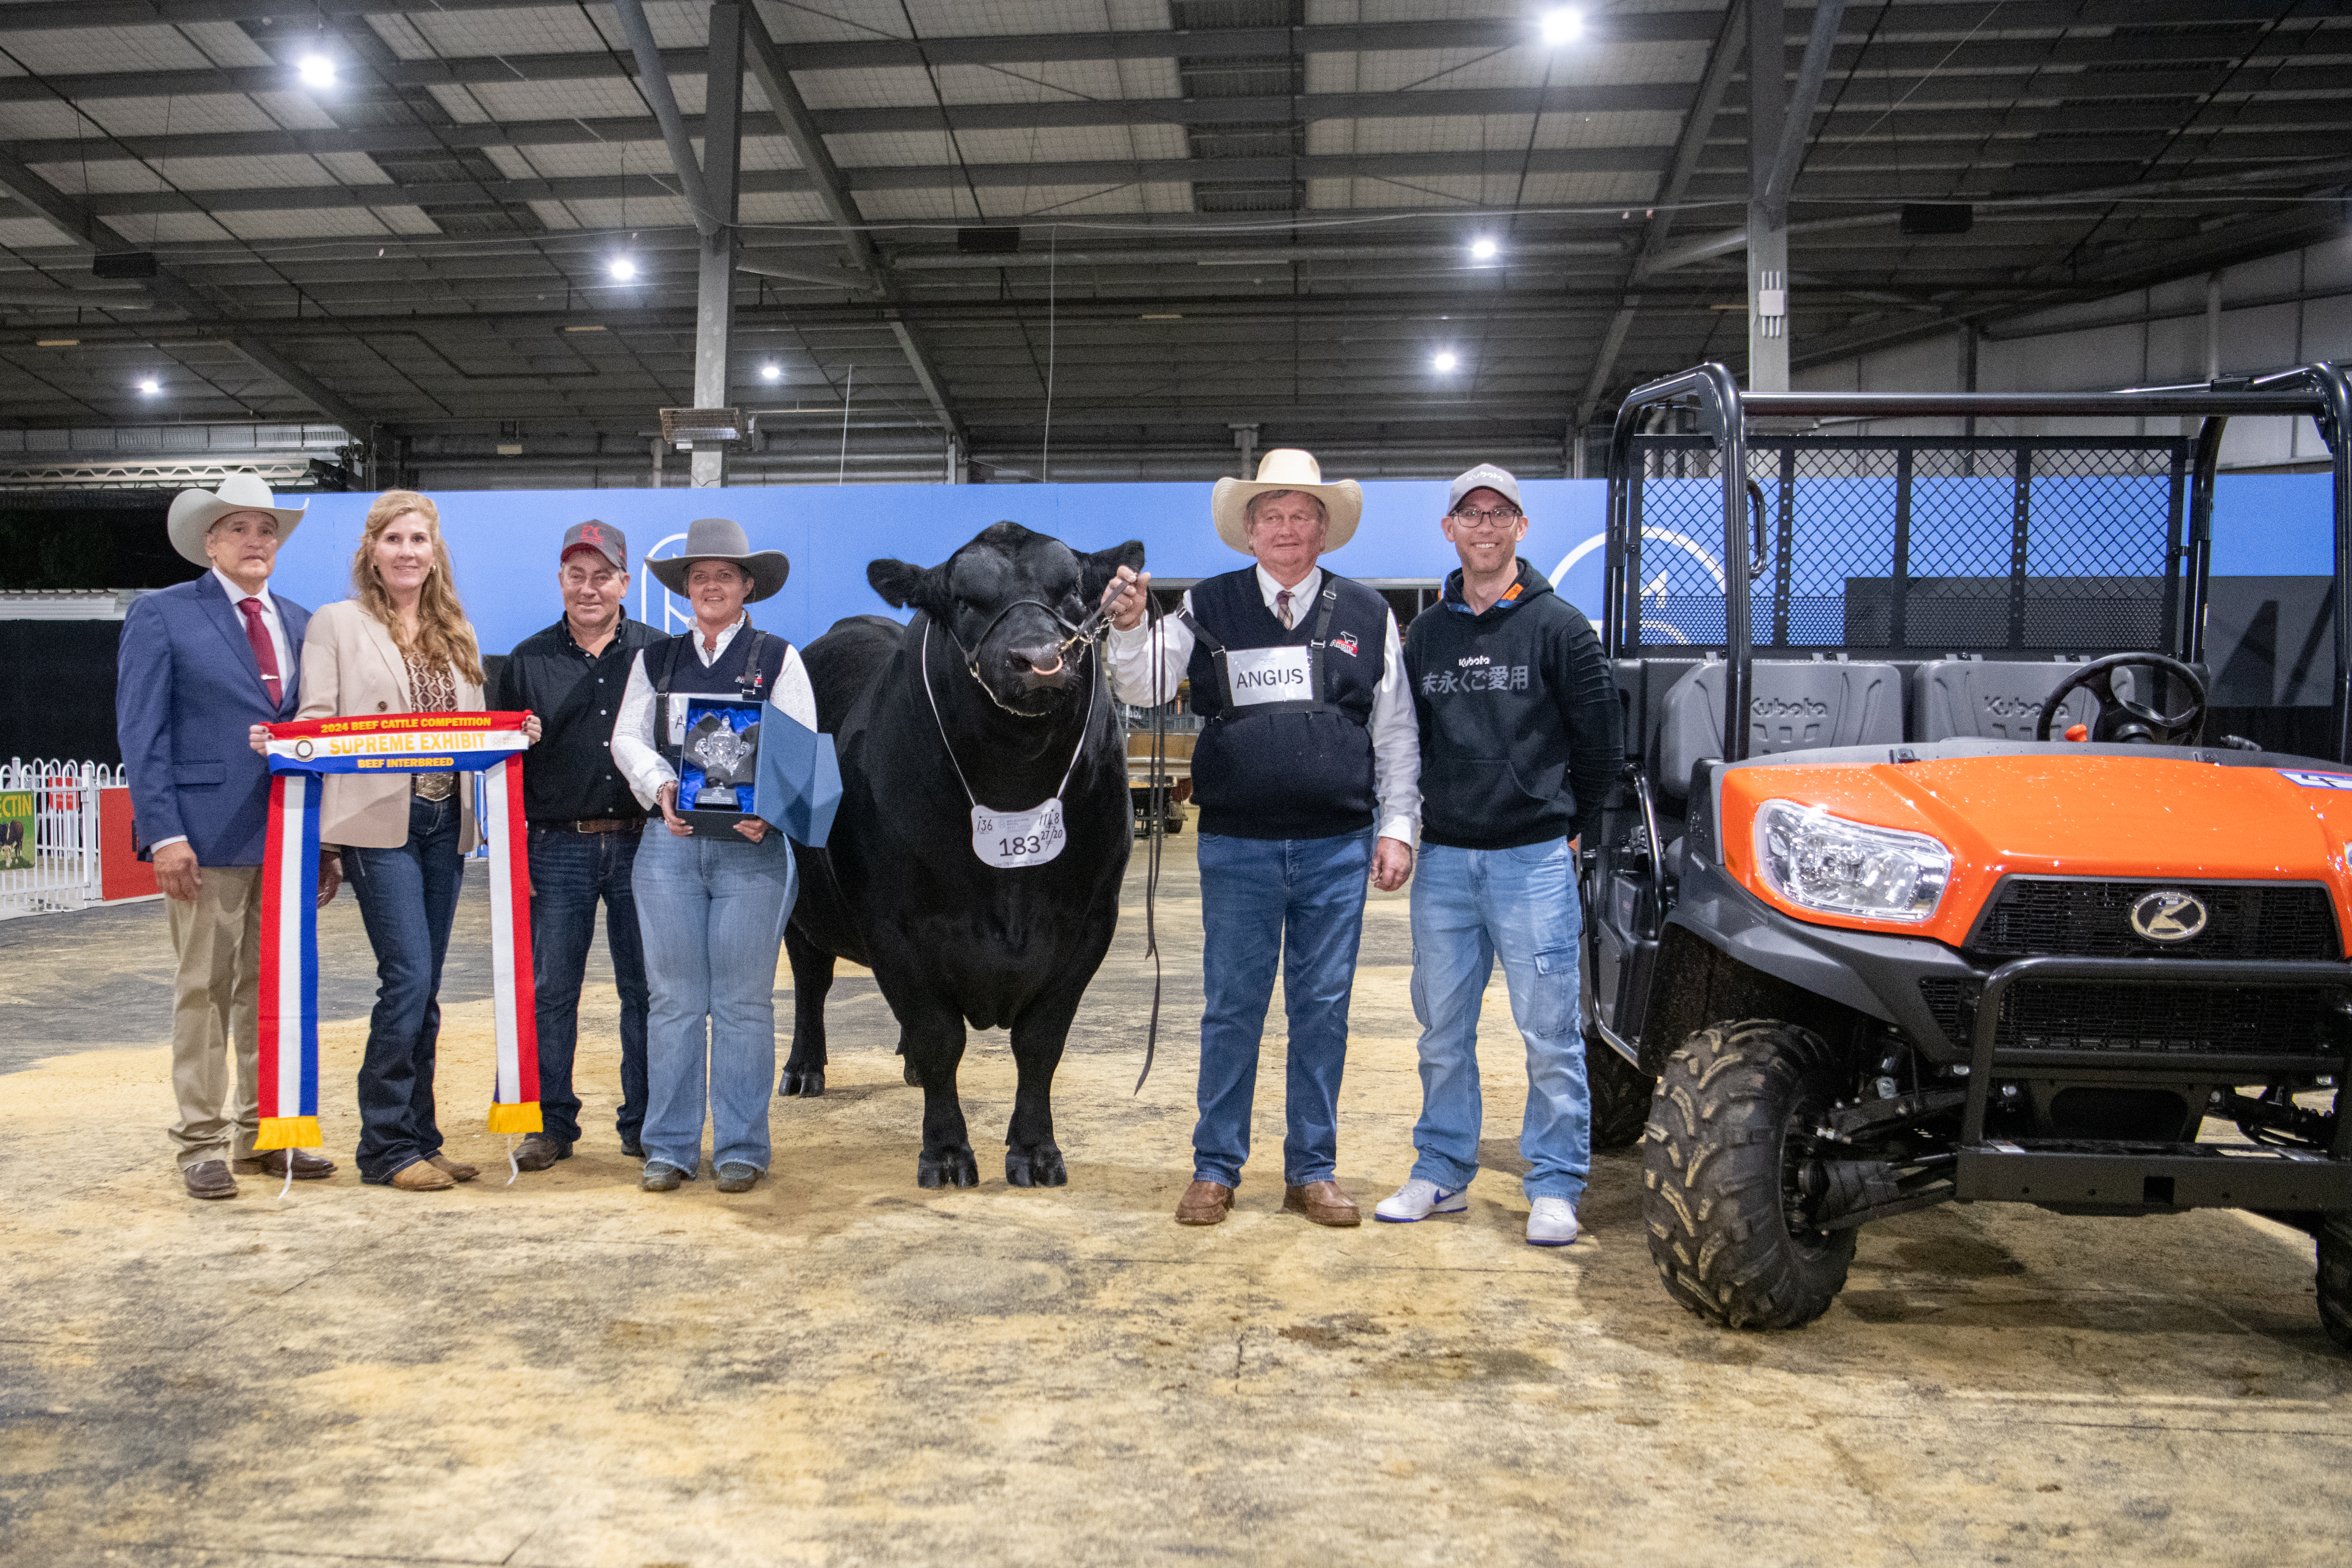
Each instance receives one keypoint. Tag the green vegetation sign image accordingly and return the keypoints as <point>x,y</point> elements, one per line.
<point>15,830</point>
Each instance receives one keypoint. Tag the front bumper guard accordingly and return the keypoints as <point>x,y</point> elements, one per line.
<point>2141,1175</point>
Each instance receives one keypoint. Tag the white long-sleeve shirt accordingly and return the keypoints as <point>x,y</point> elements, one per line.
<point>1396,735</point>
<point>634,748</point>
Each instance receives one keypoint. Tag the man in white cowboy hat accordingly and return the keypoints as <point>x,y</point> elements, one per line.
<point>1306,776</point>
<point>200,664</point>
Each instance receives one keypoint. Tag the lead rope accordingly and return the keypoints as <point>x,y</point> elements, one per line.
<point>514,1167</point>
<point>1158,833</point>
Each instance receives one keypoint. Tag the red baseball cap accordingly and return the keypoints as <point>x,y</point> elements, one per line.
<point>601,537</point>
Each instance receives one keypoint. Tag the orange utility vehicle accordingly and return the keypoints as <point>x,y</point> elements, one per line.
<point>1952,897</point>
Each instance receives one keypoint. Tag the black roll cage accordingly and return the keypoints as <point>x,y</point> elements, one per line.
<point>2323,392</point>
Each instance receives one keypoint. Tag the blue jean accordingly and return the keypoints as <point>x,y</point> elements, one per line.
<point>1300,900</point>
<point>1469,906</point>
<point>569,874</point>
<point>712,908</point>
<point>408,900</point>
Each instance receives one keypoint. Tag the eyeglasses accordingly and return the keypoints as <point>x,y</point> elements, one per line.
<point>1497,521</point>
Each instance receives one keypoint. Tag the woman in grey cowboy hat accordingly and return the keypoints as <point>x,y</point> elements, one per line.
<point>712,903</point>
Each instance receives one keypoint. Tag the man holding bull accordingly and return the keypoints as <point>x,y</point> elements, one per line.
<point>1306,779</point>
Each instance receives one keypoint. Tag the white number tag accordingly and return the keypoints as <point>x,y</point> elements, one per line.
<point>1269,675</point>
<point>1005,839</point>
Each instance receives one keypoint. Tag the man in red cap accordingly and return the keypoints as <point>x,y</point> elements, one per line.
<point>585,826</point>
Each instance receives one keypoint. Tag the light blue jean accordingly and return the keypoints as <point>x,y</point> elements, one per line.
<point>1470,906</point>
<point>1300,900</point>
<point>711,908</point>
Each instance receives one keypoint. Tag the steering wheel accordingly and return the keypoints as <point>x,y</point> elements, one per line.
<point>2120,719</point>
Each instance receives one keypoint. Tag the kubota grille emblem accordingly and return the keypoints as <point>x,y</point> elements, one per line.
<point>2168,916</point>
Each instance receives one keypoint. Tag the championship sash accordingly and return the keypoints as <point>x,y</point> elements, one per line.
<point>489,743</point>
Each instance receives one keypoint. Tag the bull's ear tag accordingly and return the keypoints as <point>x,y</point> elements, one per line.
<point>1006,839</point>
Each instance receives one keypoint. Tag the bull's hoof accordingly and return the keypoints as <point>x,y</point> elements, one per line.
<point>950,1167</point>
<point>914,1078</point>
<point>1035,1165</point>
<point>806,1083</point>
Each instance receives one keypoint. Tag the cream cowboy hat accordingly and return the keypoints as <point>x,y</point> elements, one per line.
<point>193,513</point>
<point>722,539</point>
<point>1287,469</point>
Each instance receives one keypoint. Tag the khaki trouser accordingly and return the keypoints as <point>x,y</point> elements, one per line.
<point>216,998</point>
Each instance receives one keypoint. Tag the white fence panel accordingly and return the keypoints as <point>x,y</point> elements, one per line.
<point>64,874</point>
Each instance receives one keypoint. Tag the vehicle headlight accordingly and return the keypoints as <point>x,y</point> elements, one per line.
<point>1824,862</point>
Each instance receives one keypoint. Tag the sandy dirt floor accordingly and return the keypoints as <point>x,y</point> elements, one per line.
<point>840,1368</point>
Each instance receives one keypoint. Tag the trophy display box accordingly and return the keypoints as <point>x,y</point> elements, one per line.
<point>717,759</point>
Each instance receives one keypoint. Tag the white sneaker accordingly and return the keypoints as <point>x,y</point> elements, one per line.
<point>1418,1199</point>
<point>1551,1223</point>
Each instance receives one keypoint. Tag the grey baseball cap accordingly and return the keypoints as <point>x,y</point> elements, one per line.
<point>601,537</point>
<point>1486,477</point>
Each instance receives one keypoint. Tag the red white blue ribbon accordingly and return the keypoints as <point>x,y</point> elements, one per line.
<point>490,743</point>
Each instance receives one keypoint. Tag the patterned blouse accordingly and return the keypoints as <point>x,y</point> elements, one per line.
<point>433,689</point>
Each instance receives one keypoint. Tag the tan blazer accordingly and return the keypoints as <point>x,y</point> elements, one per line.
<point>351,666</point>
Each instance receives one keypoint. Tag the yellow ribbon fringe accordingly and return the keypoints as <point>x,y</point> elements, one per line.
<point>522,1117</point>
<point>292,1132</point>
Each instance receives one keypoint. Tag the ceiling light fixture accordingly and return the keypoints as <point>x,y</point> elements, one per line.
<point>316,70</point>
<point>56,342</point>
<point>1446,360</point>
<point>1483,249</point>
<point>623,269</point>
<point>151,386</point>
<point>1564,25</point>
<point>771,372</point>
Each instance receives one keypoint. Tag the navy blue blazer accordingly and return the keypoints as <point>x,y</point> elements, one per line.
<point>187,689</point>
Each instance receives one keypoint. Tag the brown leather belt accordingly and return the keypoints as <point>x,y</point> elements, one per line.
<point>601,824</point>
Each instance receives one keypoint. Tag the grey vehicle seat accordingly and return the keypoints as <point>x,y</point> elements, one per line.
<point>1988,699</point>
<point>1795,706</point>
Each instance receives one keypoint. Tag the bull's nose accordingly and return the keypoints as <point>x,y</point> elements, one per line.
<point>1040,665</point>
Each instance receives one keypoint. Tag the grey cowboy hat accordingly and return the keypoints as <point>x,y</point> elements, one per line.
<point>722,539</point>
<point>193,513</point>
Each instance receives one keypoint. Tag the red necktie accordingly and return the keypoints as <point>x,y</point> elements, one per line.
<point>263,654</point>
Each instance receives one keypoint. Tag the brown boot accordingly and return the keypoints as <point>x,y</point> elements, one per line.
<point>422,1176</point>
<point>1204,1202</point>
<point>306,1167</point>
<point>456,1170</point>
<point>1323,1203</point>
<point>209,1179</point>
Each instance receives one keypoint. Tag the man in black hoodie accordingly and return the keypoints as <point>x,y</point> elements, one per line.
<point>1521,739</point>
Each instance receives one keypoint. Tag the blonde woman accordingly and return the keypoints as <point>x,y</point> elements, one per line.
<point>400,644</point>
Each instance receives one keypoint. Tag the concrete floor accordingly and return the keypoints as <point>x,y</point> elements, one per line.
<point>841,1368</point>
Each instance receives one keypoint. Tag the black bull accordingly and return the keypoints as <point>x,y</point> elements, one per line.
<point>952,941</point>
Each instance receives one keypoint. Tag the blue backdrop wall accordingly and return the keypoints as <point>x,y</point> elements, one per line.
<point>504,540</point>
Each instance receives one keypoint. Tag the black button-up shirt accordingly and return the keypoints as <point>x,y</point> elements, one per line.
<point>571,776</point>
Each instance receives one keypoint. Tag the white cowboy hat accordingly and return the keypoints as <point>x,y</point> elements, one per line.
<point>722,539</point>
<point>1287,469</point>
<point>193,513</point>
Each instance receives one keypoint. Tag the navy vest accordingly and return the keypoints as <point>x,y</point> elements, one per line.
<point>1295,769</point>
<point>674,665</point>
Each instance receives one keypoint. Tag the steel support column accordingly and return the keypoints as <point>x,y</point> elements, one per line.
<point>1768,235</point>
<point>714,314</point>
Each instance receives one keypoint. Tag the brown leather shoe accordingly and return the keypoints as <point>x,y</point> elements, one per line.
<point>1204,1202</point>
<point>422,1176</point>
<point>209,1179</point>
<point>456,1170</point>
<point>306,1167</point>
<point>1323,1203</point>
<point>540,1151</point>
